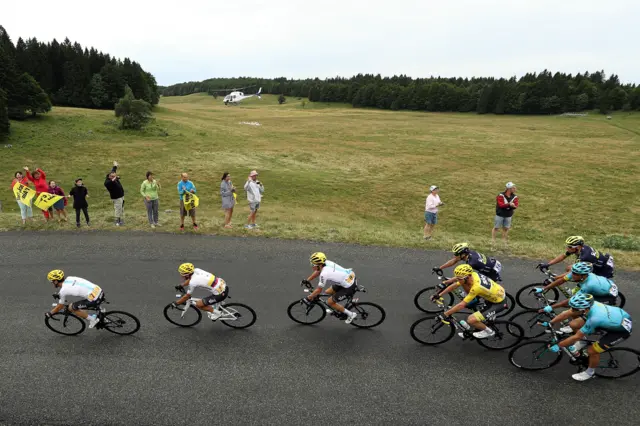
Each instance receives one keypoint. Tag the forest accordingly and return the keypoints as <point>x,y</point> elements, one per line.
<point>533,93</point>
<point>35,75</point>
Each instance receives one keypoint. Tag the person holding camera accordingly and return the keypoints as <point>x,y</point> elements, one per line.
<point>431,211</point>
<point>227,193</point>
<point>254,189</point>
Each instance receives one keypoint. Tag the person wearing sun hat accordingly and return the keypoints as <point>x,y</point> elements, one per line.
<point>431,211</point>
<point>254,189</point>
<point>506,203</point>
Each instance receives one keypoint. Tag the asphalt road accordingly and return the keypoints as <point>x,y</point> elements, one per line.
<point>276,372</point>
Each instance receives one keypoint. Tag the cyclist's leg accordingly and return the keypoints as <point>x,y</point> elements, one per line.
<point>488,312</point>
<point>576,324</point>
<point>206,304</point>
<point>79,308</point>
<point>606,342</point>
<point>336,292</point>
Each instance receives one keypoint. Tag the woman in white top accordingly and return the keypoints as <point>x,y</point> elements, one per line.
<point>431,211</point>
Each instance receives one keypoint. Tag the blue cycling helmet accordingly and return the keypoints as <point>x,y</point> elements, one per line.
<point>581,301</point>
<point>582,268</point>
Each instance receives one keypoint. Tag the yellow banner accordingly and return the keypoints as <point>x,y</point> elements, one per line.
<point>46,200</point>
<point>23,193</point>
<point>191,201</point>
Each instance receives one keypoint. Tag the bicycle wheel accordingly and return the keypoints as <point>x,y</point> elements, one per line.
<point>243,315</point>
<point>306,314</point>
<point>431,331</point>
<point>182,316</point>
<point>122,323</point>
<point>507,335</point>
<point>534,355</point>
<point>618,362</point>
<point>424,303</point>
<point>529,301</point>
<point>369,314</point>
<point>621,300</point>
<point>511,304</point>
<point>67,324</point>
<point>528,320</point>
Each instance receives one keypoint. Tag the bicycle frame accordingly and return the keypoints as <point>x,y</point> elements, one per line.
<point>228,314</point>
<point>348,301</point>
<point>100,311</point>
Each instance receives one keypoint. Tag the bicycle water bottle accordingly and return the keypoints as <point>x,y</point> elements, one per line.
<point>574,352</point>
<point>464,325</point>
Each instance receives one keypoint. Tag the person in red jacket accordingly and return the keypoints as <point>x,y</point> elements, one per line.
<point>39,179</point>
<point>506,203</point>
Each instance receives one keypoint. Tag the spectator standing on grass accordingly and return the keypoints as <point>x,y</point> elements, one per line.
<point>149,190</point>
<point>431,211</point>
<point>227,192</point>
<point>39,179</point>
<point>25,209</point>
<point>506,203</point>
<point>59,205</point>
<point>254,189</point>
<point>80,195</point>
<point>184,186</point>
<point>116,192</point>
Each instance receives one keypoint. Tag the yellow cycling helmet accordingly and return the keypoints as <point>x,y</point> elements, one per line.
<point>318,258</point>
<point>186,269</point>
<point>56,275</point>
<point>574,240</point>
<point>460,249</point>
<point>463,271</point>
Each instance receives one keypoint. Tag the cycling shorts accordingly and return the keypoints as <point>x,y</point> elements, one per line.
<point>341,293</point>
<point>215,298</point>
<point>489,310</point>
<point>610,339</point>
<point>88,304</point>
<point>607,300</point>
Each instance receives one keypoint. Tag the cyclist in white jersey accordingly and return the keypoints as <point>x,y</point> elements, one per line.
<point>343,283</point>
<point>92,295</point>
<point>198,278</point>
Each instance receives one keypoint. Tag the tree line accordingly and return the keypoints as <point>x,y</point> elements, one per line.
<point>36,75</point>
<point>533,93</point>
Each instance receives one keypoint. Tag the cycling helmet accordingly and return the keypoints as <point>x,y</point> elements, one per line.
<point>462,271</point>
<point>186,269</point>
<point>56,275</point>
<point>581,301</point>
<point>575,240</point>
<point>318,258</point>
<point>582,268</point>
<point>460,249</point>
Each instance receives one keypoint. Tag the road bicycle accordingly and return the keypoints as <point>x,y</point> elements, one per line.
<point>423,301</point>
<point>615,363</point>
<point>525,296</point>
<point>435,330</point>
<point>234,315</point>
<point>67,323</point>
<point>369,314</point>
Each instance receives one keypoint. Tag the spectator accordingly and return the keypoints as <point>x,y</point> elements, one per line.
<point>227,192</point>
<point>116,192</point>
<point>39,180</point>
<point>59,205</point>
<point>184,186</point>
<point>431,211</point>
<point>149,190</point>
<point>25,208</point>
<point>80,195</point>
<point>254,195</point>
<point>506,203</point>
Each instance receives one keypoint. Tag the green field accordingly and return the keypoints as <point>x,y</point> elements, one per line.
<point>335,173</point>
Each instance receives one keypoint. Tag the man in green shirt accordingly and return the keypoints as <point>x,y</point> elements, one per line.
<point>149,190</point>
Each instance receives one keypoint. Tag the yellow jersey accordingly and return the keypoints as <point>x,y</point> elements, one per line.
<point>485,288</point>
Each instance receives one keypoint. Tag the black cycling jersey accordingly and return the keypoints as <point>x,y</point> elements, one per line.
<point>602,262</point>
<point>484,265</point>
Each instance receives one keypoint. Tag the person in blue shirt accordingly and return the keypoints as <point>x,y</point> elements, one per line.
<point>603,289</point>
<point>185,186</point>
<point>588,317</point>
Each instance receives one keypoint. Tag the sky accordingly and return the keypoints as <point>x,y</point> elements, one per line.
<point>192,40</point>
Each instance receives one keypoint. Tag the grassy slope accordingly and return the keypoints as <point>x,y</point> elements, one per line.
<point>336,173</point>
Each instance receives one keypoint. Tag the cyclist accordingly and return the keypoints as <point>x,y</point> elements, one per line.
<point>603,289</point>
<point>487,266</point>
<point>92,295</point>
<point>198,278</point>
<point>343,283</point>
<point>602,262</point>
<point>588,317</point>
<point>477,286</point>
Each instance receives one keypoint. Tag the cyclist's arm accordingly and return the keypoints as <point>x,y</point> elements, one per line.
<point>313,276</point>
<point>57,308</point>
<point>187,295</point>
<point>556,283</point>
<point>450,263</point>
<point>460,306</point>
<point>558,259</point>
<point>561,317</point>
<point>450,288</point>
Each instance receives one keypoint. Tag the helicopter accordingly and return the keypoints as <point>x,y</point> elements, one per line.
<point>237,96</point>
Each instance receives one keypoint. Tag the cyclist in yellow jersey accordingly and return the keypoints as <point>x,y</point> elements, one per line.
<point>477,286</point>
<point>198,278</point>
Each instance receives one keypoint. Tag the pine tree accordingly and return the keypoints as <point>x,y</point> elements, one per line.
<point>97,92</point>
<point>4,116</point>
<point>35,99</point>
<point>134,113</point>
